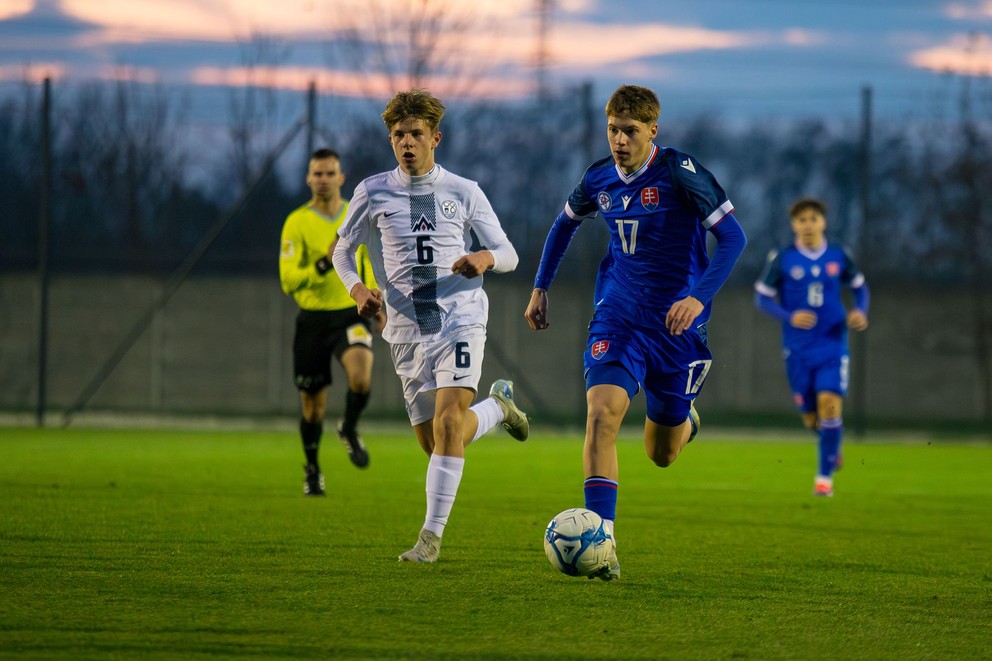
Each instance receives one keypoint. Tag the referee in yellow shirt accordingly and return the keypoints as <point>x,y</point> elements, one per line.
<point>328,323</point>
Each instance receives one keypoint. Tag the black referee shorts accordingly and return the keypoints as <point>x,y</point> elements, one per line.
<point>321,334</point>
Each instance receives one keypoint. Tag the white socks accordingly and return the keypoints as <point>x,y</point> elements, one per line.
<point>443,476</point>
<point>489,413</point>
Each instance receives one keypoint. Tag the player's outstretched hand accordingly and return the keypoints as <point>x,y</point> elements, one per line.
<point>856,320</point>
<point>682,314</point>
<point>536,313</point>
<point>473,264</point>
<point>804,319</point>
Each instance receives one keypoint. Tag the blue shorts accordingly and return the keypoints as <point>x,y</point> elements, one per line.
<point>670,368</point>
<point>811,375</point>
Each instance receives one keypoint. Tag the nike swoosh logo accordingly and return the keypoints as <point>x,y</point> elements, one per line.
<point>459,378</point>
<point>388,214</point>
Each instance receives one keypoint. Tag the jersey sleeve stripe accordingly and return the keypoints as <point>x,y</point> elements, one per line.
<point>718,214</point>
<point>571,213</point>
<point>765,290</point>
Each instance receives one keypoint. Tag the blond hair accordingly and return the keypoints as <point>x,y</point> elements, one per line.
<point>635,102</point>
<point>414,104</point>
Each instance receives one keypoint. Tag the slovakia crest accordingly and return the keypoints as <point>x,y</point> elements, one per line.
<point>448,208</point>
<point>797,272</point>
<point>599,349</point>
<point>649,198</point>
<point>833,269</point>
<point>604,200</point>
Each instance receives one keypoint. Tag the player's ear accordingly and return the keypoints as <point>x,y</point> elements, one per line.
<point>654,130</point>
<point>437,139</point>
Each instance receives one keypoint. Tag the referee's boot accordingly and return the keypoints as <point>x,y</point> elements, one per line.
<point>313,481</point>
<point>352,442</point>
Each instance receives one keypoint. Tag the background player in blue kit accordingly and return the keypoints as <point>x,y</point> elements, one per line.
<point>808,278</point>
<point>653,292</point>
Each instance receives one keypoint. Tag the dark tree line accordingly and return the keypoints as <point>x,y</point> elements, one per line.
<point>134,188</point>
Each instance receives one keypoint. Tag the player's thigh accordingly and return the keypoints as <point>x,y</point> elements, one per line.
<point>678,366</point>
<point>312,351</point>
<point>417,383</point>
<point>802,381</point>
<point>456,358</point>
<point>831,375</point>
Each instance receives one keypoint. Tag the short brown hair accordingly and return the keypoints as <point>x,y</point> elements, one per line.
<point>414,104</point>
<point>637,102</point>
<point>804,203</point>
<point>324,153</point>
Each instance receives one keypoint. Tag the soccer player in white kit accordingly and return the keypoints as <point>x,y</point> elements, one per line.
<point>416,221</point>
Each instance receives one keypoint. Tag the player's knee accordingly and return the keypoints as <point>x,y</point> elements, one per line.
<point>360,384</point>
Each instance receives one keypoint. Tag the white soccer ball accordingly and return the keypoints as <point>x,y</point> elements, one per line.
<point>576,542</point>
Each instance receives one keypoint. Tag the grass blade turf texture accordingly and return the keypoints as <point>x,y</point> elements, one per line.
<point>169,544</point>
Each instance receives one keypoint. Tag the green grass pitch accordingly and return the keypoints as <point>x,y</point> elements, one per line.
<point>193,544</point>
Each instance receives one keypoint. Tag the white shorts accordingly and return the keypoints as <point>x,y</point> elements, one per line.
<point>449,361</point>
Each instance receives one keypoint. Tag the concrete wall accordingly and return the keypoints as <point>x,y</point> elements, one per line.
<point>223,346</point>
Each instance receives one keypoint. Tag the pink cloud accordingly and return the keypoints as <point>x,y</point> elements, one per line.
<point>354,84</point>
<point>35,72</point>
<point>965,54</point>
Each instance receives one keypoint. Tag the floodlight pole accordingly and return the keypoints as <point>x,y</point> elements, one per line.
<point>311,117</point>
<point>44,227</point>
<point>859,341</point>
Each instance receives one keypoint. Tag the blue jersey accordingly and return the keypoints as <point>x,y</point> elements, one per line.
<point>658,217</point>
<point>812,280</point>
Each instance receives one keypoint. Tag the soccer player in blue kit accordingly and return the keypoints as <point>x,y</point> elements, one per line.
<point>808,277</point>
<point>653,292</point>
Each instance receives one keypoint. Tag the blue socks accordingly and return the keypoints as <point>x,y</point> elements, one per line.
<point>831,432</point>
<point>601,497</point>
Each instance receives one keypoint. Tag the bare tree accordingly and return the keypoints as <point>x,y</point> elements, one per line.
<point>442,44</point>
<point>254,107</point>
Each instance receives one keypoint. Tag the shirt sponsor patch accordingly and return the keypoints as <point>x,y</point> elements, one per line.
<point>833,269</point>
<point>288,249</point>
<point>599,349</point>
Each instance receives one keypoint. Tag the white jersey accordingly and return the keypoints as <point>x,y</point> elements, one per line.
<point>415,229</point>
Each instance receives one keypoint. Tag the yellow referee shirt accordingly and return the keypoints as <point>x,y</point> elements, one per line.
<point>306,236</point>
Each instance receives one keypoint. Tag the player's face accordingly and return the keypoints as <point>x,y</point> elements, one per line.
<point>413,145</point>
<point>809,226</point>
<point>324,177</point>
<point>630,141</point>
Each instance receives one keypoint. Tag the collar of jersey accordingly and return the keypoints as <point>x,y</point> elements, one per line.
<point>812,254</point>
<point>420,180</point>
<point>627,178</point>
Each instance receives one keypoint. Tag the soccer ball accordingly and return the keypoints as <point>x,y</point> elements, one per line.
<point>576,542</point>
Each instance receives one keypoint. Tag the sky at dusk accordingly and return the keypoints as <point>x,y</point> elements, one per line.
<point>736,57</point>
